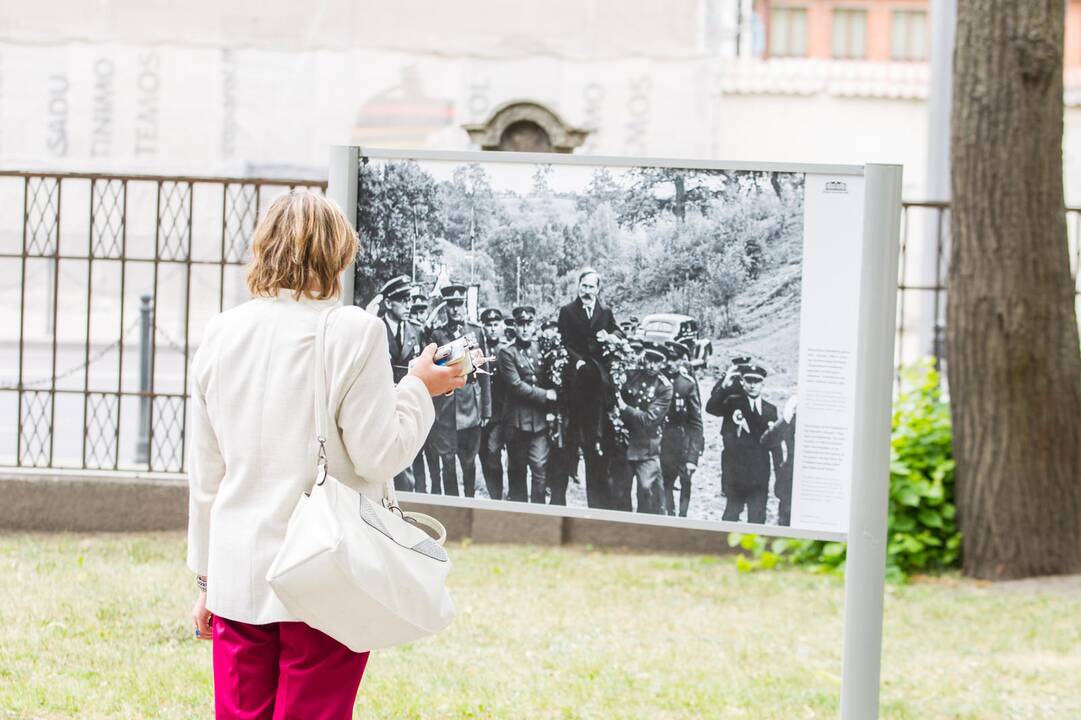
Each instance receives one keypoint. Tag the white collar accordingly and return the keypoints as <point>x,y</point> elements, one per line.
<point>287,294</point>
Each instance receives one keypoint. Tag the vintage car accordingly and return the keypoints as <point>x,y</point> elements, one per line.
<point>662,327</point>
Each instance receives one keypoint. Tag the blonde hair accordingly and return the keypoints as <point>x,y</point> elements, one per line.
<point>303,244</point>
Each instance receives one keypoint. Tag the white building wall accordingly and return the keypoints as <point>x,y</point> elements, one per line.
<point>263,89</point>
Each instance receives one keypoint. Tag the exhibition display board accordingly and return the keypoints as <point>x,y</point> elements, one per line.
<point>696,344</point>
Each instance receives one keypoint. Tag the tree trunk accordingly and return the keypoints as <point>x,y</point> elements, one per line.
<point>1012,340</point>
<point>681,195</point>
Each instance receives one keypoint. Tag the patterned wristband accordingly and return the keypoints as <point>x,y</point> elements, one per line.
<point>200,580</point>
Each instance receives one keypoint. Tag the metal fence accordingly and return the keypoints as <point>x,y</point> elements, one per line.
<point>107,279</point>
<point>921,282</point>
<point>106,282</point>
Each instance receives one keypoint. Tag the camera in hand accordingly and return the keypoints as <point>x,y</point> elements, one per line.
<point>464,353</point>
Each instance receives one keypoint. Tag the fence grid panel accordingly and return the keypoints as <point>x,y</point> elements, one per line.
<point>120,248</point>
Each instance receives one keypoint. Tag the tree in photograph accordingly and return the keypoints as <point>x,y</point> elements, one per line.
<point>727,276</point>
<point>399,218</point>
<point>699,265</point>
<point>597,234</point>
<point>470,206</point>
<point>525,254</point>
<point>754,256</point>
<point>541,186</point>
<point>654,191</point>
<point>602,190</point>
<point>1012,341</point>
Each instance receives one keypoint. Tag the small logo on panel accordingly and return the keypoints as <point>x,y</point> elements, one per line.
<point>836,186</point>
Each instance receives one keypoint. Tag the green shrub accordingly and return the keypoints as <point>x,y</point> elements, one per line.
<point>923,532</point>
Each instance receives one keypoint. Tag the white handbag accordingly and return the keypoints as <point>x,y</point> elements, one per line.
<point>365,574</point>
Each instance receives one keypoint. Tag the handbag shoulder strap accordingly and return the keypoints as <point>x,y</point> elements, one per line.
<point>319,372</point>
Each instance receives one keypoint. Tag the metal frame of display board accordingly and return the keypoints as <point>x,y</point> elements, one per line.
<point>869,491</point>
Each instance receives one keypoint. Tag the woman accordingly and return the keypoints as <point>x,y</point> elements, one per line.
<point>253,451</point>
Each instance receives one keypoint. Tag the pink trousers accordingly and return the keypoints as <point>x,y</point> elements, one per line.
<point>282,671</point>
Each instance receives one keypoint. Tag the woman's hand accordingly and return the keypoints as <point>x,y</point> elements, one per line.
<point>201,616</point>
<point>439,379</point>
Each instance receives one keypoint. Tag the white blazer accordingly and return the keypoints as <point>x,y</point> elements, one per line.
<point>252,440</point>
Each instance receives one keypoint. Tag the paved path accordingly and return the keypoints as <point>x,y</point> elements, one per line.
<point>1067,586</point>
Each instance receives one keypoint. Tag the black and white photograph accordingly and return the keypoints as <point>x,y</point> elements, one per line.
<point>639,327</point>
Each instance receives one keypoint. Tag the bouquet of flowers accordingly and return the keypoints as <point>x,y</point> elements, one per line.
<point>553,365</point>
<point>619,359</point>
<point>553,362</point>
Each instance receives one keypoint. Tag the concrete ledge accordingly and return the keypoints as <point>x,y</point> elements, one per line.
<point>502,526</point>
<point>77,501</point>
<point>603,533</point>
<point>92,503</point>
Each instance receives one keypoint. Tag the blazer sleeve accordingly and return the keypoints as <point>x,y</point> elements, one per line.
<point>206,465</point>
<point>610,322</point>
<point>568,333</point>
<point>382,425</point>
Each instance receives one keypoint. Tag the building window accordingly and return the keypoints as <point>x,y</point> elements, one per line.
<point>908,31</point>
<point>850,34</point>
<point>788,32</point>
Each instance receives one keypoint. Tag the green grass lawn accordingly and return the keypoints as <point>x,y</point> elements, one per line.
<point>96,626</point>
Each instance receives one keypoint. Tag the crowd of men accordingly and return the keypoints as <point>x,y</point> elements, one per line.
<point>579,387</point>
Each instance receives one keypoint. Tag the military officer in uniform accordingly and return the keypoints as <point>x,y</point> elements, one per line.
<point>460,417</point>
<point>550,329</point>
<point>525,408</point>
<point>643,402</point>
<point>491,438</point>
<point>745,460</point>
<point>418,308</point>
<point>404,342</point>
<point>682,440</point>
<point>403,337</point>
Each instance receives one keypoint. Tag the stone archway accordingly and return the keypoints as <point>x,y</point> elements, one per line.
<point>525,126</point>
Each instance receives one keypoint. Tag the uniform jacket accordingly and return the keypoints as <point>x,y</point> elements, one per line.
<point>648,396</point>
<point>745,461</point>
<point>469,405</point>
<point>525,400</point>
<point>683,438</point>
<point>411,347</point>
<point>251,434</point>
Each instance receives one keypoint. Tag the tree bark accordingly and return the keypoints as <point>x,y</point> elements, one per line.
<point>1012,338</point>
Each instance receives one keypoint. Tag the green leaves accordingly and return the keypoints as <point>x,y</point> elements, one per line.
<point>923,517</point>
<point>931,518</point>
<point>923,533</point>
